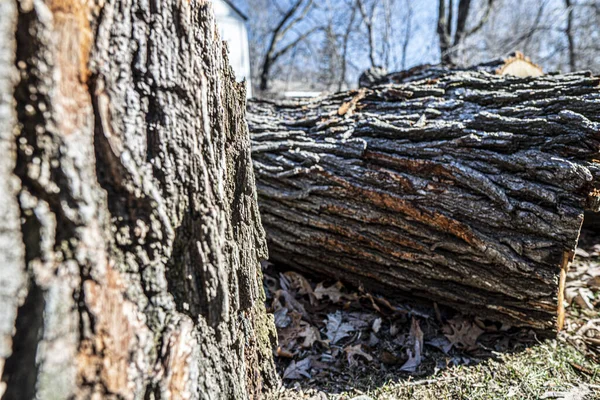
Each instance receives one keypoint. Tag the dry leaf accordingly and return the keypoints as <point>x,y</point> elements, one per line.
<point>441,343</point>
<point>388,358</point>
<point>414,360</point>
<point>414,355</point>
<point>581,253</point>
<point>299,283</point>
<point>284,353</point>
<point>359,320</point>
<point>354,351</point>
<point>298,370</point>
<point>394,329</point>
<point>290,302</point>
<point>310,335</point>
<point>336,329</point>
<point>376,325</point>
<point>333,292</point>
<point>462,334</point>
<point>373,340</point>
<point>282,319</point>
<point>287,337</point>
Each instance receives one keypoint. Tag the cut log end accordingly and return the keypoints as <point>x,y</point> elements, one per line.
<point>520,66</point>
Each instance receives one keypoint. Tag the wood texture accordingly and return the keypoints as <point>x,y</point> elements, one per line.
<point>515,64</point>
<point>130,237</point>
<point>466,189</point>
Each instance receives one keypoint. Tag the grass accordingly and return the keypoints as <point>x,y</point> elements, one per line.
<point>550,370</point>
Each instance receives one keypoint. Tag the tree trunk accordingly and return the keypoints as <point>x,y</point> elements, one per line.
<point>468,189</point>
<point>131,238</point>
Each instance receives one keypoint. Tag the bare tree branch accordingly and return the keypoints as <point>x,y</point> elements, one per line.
<point>569,33</point>
<point>286,23</point>
<point>483,20</point>
<point>442,31</point>
<point>345,40</point>
<point>407,32</point>
<point>368,21</point>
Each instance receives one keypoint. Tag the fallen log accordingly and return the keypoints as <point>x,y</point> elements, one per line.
<point>515,64</point>
<point>468,190</point>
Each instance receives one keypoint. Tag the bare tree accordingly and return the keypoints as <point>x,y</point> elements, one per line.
<point>569,33</point>
<point>345,42</point>
<point>450,39</point>
<point>407,32</point>
<point>290,19</point>
<point>368,19</point>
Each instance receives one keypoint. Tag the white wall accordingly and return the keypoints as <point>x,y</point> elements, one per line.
<point>233,30</point>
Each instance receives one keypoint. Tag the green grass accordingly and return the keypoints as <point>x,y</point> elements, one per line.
<point>543,371</point>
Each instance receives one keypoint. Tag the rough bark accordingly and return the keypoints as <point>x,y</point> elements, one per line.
<point>515,64</point>
<point>130,237</point>
<point>468,189</point>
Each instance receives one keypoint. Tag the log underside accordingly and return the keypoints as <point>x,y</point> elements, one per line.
<point>468,189</point>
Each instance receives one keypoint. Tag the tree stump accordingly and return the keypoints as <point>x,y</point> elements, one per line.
<point>467,188</point>
<point>131,238</point>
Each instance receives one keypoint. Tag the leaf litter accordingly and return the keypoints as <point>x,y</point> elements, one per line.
<point>328,332</point>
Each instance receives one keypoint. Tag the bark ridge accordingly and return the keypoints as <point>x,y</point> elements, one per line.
<point>131,237</point>
<point>465,188</point>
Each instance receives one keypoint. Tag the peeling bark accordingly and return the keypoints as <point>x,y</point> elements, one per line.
<point>131,237</point>
<point>467,189</point>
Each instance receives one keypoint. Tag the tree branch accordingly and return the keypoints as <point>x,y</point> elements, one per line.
<point>483,20</point>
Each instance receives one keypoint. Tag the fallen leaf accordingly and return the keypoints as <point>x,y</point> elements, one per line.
<point>376,325</point>
<point>388,358</point>
<point>310,335</point>
<point>583,298</point>
<point>354,351</point>
<point>284,353</point>
<point>414,360</point>
<point>373,340</point>
<point>579,252</point>
<point>462,333</point>
<point>282,319</point>
<point>300,284</point>
<point>333,292</point>
<point>394,329</point>
<point>287,337</point>
<point>359,320</point>
<point>336,329</point>
<point>414,354</point>
<point>290,302</point>
<point>297,370</point>
<point>441,343</point>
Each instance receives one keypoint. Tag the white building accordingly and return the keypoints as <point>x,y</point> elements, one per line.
<point>232,26</point>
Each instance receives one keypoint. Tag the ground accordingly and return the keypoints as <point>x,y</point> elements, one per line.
<point>341,343</point>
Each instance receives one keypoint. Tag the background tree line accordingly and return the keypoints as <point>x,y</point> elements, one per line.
<point>326,44</point>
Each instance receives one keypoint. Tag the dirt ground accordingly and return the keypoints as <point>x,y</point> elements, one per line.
<point>343,343</point>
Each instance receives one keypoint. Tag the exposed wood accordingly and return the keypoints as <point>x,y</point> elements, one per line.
<point>130,237</point>
<point>564,269</point>
<point>466,189</point>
